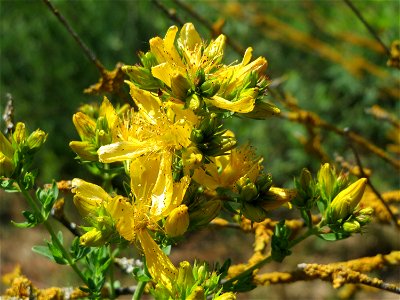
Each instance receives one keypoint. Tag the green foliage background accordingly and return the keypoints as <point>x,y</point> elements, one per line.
<point>45,71</point>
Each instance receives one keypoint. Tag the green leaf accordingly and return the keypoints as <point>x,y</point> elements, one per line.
<point>280,242</point>
<point>47,197</point>
<point>334,236</point>
<point>32,220</point>
<point>43,250</point>
<point>9,185</point>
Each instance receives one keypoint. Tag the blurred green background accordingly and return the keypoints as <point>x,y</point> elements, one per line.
<point>45,71</point>
<point>319,51</point>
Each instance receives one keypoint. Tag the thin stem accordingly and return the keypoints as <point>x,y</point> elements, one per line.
<point>111,270</point>
<point>369,27</point>
<point>268,259</point>
<point>69,28</point>
<point>54,237</point>
<point>139,290</point>
<point>169,12</point>
<point>235,46</point>
<point>369,182</point>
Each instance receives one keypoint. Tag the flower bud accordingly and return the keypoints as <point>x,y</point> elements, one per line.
<point>19,133</point>
<point>197,294</point>
<point>192,157</point>
<point>253,212</point>
<point>6,165</point>
<point>205,213</point>
<point>185,275</point>
<point>209,88</point>
<point>346,201</point>
<point>326,179</point>
<point>6,146</point>
<point>85,126</point>
<point>262,110</point>
<point>177,222</point>
<point>264,182</point>
<point>276,197</point>
<point>85,150</point>
<point>364,216</point>
<point>226,296</point>
<point>247,189</point>
<point>194,102</point>
<point>352,226</point>
<point>220,145</point>
<point>93,238</point>
<point>199,78</point>
<point>180,86</point>
<point>36,139</point>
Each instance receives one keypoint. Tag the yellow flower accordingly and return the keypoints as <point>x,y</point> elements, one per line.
<point>190,71</point>
<point>154,128</point>
<point>159,265</point>
<point>155,197</point>
<point>95,132</point>
<point>226,170</point>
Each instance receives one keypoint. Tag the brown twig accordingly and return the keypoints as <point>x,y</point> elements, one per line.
<point>309,118</point>
<point>79,41</point>
<point>171,13</point>
<point>366,24</point>
<point>235,46</point>
<point>369,182</point>
<point>339,273</point>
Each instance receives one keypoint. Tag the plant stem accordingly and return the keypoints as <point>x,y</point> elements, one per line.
<point>112,289</point>
<point>54,237</point>
<point>139,290</point>
<point>268,259</point>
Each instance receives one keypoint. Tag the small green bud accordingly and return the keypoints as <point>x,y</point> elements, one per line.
<point>253,212</point>
<point>364,216</point>
<point>305,179</point>
<point>177,222</point>
<point>194,102</point>
<point>19,134</point>
<point>209,88</point>
<point>352,226</point>
<point>347,200</point>
<point>192,157</point>
<point>199,78</point>
<point>247,189</point>
<point>264,182</point>
<point>36,139</point>
<point>196,136</point>
<point>201,273</point>
<point>368,211</point>
<point>220,145</point>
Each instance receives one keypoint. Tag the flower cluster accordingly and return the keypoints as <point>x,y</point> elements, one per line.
<point>183,165</point>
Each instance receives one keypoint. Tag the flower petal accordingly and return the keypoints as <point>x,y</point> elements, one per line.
<point>159,265</point>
